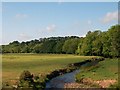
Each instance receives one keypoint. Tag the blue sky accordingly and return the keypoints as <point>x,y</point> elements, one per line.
<point>24,21</point>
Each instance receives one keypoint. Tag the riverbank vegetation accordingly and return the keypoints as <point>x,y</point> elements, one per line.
<point>102,75</point>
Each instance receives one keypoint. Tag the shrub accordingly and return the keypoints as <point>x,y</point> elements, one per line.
<point>26,79</point>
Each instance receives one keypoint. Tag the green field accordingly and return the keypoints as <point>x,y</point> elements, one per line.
<point>105,70</point>
<point>14,64</point>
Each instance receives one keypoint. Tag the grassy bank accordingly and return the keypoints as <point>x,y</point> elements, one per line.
<point>105,71</point>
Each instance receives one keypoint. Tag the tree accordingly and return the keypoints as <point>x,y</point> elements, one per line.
<point>90,45</point>
<point>79,50</point>
<point>70,46</point>
<point>59,45</point>
<point>114,38</point>
<point>86,48</point>
<point>37,48</point>
<point>47,46</point>
<point>106,44</point>
<point>97,45</point>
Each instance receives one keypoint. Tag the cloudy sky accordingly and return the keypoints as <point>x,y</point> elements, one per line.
<point>24,21</point>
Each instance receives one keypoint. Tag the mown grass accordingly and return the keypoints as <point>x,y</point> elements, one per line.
<point>107,69</point>
<point>14,64</point>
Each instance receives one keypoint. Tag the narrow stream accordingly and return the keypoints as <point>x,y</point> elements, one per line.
<point>59,81</point>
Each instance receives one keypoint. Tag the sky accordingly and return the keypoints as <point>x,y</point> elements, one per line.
<point>24,21</point>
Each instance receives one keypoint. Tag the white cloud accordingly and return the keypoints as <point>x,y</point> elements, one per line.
<point>110,16</point>
<point>84,35</point>
<point>23,36</point>
<point>20,16</point>
<point>51,28</point>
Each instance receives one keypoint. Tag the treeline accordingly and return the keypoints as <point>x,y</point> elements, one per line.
<point>95,43</point>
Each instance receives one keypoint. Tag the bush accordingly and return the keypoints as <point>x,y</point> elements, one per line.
<point>26,79</point>
<point>26,75</point>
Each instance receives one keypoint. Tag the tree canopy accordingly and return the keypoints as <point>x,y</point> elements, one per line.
<point>95,43</point>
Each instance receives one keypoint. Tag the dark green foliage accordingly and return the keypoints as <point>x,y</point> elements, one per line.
<point>28,80</point>
<point>37,48</point>
<point>70,46</point>
<point>26,75</point>
<point>48,46</point>
<point>114,38</point>
<point>99,43</point>
<point>95,43</point>
<point>91,45</point>
<point>58,46</point>
<point>111,42</point>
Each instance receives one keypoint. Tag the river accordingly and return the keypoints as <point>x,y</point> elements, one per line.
<point>59,81</point>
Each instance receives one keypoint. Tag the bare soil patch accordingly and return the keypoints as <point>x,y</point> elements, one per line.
<point>105,83</point>
<point>89,83</point>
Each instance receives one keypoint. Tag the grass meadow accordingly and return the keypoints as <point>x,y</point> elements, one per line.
<point>105,70</point>
<point>14,64</point>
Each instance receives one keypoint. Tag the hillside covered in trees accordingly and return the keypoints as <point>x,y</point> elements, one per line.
<point>95,43</point>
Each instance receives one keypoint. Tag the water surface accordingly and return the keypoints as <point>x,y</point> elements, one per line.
<point>59,81</point>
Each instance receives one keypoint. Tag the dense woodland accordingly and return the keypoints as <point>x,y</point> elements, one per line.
<point>95,43</point>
